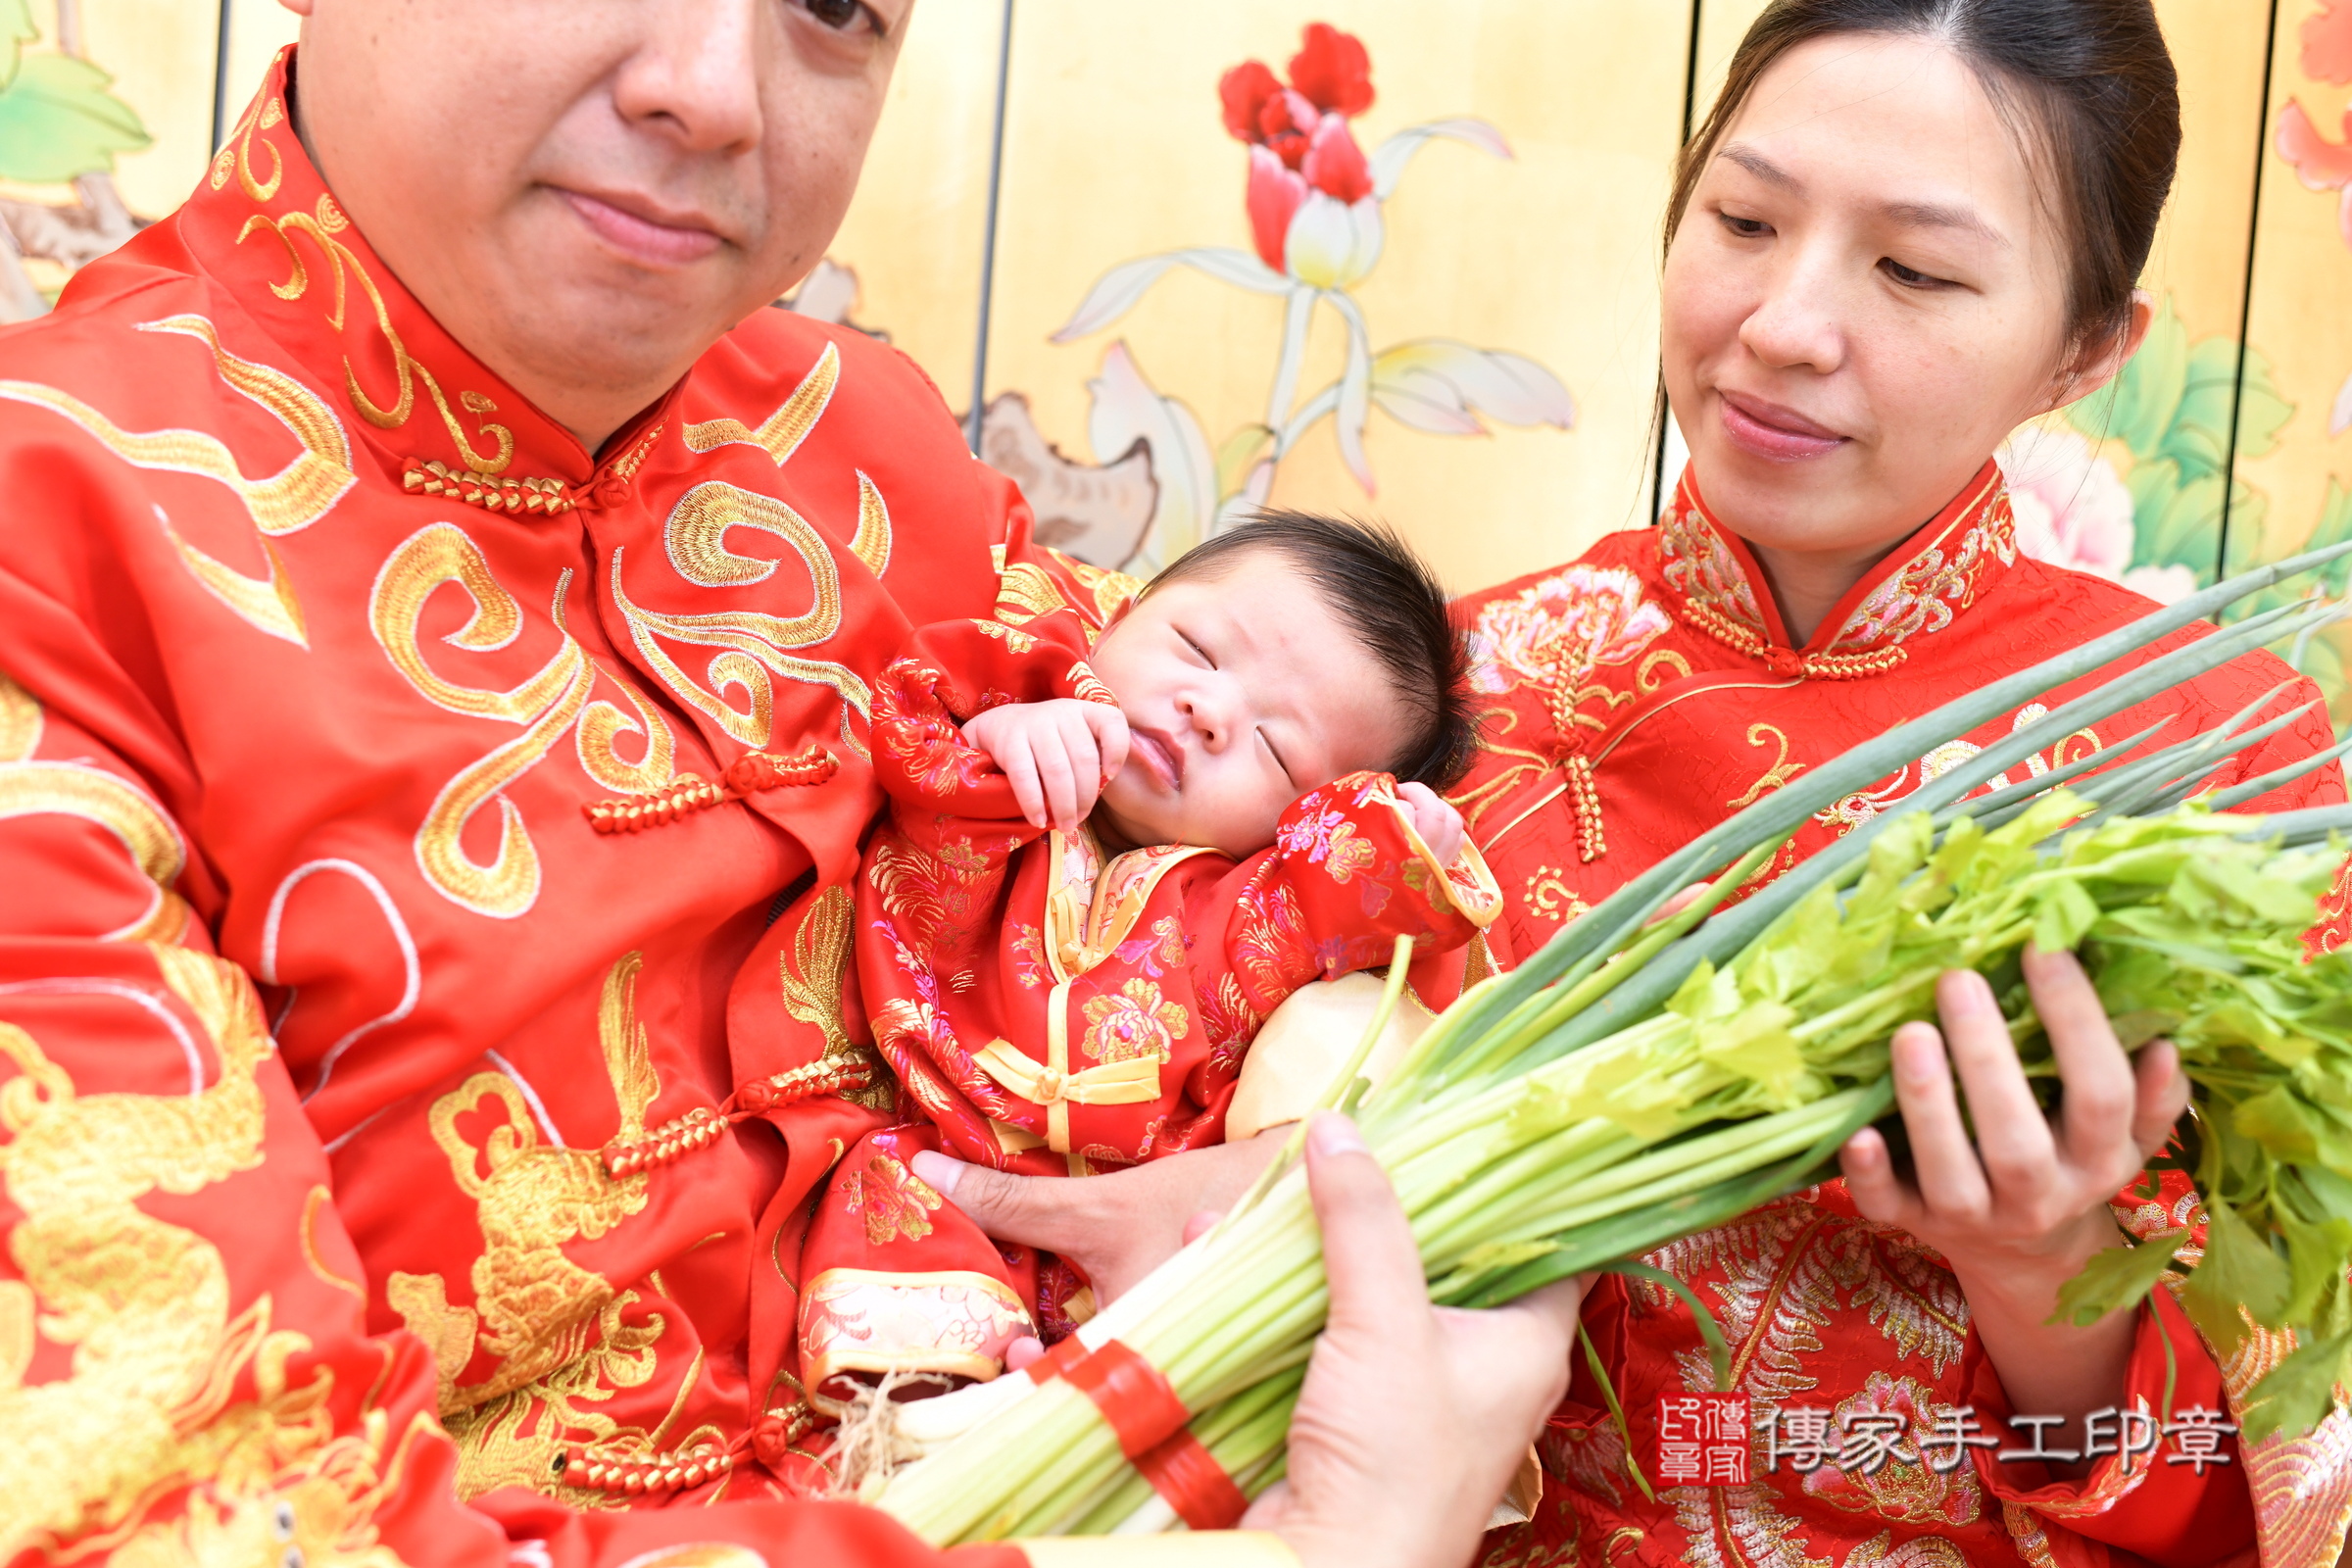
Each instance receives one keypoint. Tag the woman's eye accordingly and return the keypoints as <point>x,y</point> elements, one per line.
<point>1745,227</point>
<point>844,15</point>
<point>1909,277</point>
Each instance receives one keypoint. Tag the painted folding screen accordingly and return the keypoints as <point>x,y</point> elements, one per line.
<point>1364,256</point>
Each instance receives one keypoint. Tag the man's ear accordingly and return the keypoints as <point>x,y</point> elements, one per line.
<point>2103,359</point>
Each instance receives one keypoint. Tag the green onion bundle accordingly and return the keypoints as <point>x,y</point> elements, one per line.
<point>1638,1080</point>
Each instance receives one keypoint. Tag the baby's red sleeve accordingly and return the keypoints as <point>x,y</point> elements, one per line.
<point>946,673</point>
<point>1347,876</point>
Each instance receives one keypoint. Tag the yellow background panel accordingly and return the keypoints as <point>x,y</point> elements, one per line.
<point>1114,150</point>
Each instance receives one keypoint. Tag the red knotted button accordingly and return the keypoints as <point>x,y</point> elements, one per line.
<point>1783,661</point>
<point>612,490</point>
<point>750,773</point>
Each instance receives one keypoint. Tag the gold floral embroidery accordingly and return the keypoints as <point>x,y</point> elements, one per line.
<point>287,502</point>
<point>894,1199</point>
<point>781,433</point>
<point>1772,778</point>
<point>753,645</point>
<point>1349,854</point>
<point>19,723</point>
<point>320,228</point>
<point>811,978</point>
<point>1113,591</point>
<point>1550,897</point>
<point>1932,585</point>
<point>1024,592</point>
<point>1134,1023</point>
<point>545,705</point>
<point>1020,642</point>
<point>1701,568</point>
<point>1557,636</point>
<point>872,543</point>
<point>113,803</point>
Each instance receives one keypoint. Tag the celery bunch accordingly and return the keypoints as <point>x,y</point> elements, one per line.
<point>1635,1082</point>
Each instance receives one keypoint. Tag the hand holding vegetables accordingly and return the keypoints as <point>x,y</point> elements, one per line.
<point>1633,1083</point>
<point>1402,1434</point>
<point>2020,1208</point>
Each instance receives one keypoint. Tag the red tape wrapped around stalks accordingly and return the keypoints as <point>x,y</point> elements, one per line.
<point>1141,1408</point>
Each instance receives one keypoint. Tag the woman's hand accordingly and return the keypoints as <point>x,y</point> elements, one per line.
<point>1116,1227</point>
<point>1413,1417</point>
<point>2020,1211</point>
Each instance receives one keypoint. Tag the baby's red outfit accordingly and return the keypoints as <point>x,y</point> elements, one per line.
<point>1049,1010</point>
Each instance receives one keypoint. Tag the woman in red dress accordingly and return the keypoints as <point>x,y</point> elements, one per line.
<point>1907,228</point>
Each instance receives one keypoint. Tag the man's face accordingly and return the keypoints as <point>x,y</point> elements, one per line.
<point>587,193</point>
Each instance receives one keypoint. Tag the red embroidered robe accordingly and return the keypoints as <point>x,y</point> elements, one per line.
<point>315,644</point>
<point>1643,694</point>
<point>1051,1011</point>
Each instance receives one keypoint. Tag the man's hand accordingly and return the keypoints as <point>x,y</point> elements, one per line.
<point>1116,1227</point>
<point>1438,824</point>
<point>1413,1417</point>
<point>1057,754</point>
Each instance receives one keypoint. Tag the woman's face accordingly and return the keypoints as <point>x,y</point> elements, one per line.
<point>1864,298</point>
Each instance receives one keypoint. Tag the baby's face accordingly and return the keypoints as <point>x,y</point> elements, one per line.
<point>1241,693</point>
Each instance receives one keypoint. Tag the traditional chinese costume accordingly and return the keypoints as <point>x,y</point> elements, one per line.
<point>1053,1009</point>
<point>1641,696</point>
<point>528,785</point>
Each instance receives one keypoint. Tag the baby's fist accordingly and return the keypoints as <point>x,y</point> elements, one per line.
<point>1057,754</point>
<point>1438,824</point>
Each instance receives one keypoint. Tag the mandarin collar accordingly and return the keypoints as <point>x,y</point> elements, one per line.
<point>265,226</point>
<point>1925,585</point>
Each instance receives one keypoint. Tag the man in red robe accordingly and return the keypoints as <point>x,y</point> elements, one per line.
<point>424,602</point>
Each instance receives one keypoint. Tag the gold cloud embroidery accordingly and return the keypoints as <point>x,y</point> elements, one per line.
<point>545,705</point>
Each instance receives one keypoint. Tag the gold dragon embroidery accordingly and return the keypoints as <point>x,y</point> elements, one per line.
<point>147,1408</point>
<point>554,1327</point>
<point>811,978</point>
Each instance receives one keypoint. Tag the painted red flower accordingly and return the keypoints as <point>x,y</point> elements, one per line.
<point>1300,147</point>
<point>2326,43</point>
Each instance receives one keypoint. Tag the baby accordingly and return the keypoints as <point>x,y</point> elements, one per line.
<point>1102,870</point>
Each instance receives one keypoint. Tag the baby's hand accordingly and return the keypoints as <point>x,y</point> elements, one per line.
<point>1438,824</point>
<point>1058,754</point>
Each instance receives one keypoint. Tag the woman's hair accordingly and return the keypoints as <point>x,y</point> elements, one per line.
<point>2087,84</point>
<point>1388,597</point>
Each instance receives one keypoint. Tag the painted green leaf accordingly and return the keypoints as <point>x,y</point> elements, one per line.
<point>58,121</point>
<point>2198,438</point>
<point>2149,390</point>
<point>15,32</point>
<point>2175,523</point>
<point>2260,411</point>
<point>2118,1278</point>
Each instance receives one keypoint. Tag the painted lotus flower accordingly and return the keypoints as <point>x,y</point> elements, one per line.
<point>1313,203</point>
<point>2072,510</point>
<point>1311,208</point>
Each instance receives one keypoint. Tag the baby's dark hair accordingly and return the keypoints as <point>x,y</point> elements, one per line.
<point>1392,601</point>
